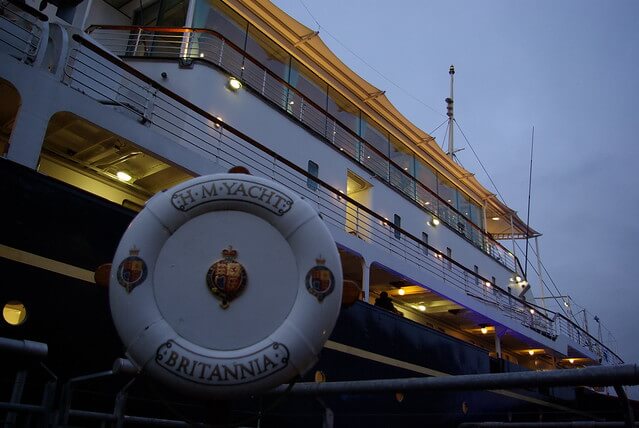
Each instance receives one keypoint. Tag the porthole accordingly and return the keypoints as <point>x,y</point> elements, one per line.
<point>14,312</point>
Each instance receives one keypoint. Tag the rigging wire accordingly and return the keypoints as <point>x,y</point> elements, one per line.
<point>503,200</point>
<point>438,126</point>
<point>406,92</point>
<point>532,145</point>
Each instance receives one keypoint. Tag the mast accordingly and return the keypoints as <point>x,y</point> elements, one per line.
<point>449,113</point>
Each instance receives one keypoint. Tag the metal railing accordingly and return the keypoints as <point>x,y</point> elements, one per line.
<point>97,74</point>
<point>20,34</point>
<point>188,45</point>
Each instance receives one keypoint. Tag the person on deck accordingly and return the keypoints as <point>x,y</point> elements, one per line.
<point>385,302</point>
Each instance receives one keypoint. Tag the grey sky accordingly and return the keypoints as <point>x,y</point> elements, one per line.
<point>570,69</point>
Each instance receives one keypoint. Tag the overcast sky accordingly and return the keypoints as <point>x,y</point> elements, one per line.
<point>569,68</point>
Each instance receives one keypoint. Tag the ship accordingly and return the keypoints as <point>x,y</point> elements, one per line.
<point>108,103</point>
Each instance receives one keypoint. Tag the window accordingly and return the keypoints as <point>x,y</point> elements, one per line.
<point>312,169</point>
<point>268,53</point>
<point>425,245</point>
<point>476,269</point>
<point>397,221</point>
<point>215,15</point>
<point>343,110</point>
<point>449,253</point>
<point>375,135</point>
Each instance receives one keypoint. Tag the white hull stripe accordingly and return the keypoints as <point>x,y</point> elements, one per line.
<point>430,372</point>
<point>45,263</point>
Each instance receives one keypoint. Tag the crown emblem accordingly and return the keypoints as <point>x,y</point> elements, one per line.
<point>320,281</point>
<point>132,271</point>
<point>226,278</point>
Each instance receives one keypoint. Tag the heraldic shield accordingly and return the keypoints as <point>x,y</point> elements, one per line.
<point>226,278</point>
<point>132,271</point>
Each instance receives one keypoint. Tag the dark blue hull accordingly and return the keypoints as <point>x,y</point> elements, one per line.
<point>55,221</point>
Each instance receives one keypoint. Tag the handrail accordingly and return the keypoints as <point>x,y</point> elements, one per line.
<point>219,123</point>
<point>370,147</point>
<point>28,9</point>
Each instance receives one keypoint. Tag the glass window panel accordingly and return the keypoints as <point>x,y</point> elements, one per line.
<point>343,110</point>
<point>402,156</point>
<point>268,53</point>
<point>172,13</point>
<point>215,15</point>
<point>397,221</point>
<point>313,169</point>
<point>426,175</point>
<point>308,83</point>
<point>446,191</point>
<point>375,135</point>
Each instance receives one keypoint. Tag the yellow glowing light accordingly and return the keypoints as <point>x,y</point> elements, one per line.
<point>495,218</point>
<point>435,221</point>
<point>401,292</point>
<point>532,312</point>
<point>518,278</point>
<point>422,308</point>
<point>484,330</point>
<point>488,284</point>
<point>571,360</point>
<point>234,83</point>
<point>531,352</point>
<point>14,313</point>
<point>123,176</point>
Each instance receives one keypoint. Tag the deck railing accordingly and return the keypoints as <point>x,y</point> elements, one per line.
<point>189,45</point>
<point>21,30</point>
<point>99,75</point>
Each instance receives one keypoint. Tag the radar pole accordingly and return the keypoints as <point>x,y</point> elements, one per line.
<point>451,116</point>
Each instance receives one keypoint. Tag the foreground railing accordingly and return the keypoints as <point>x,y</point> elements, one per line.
<point>99,75</point>
<point>188,45</point>
<point>21,30</point>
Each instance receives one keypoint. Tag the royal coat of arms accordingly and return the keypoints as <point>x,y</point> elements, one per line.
<point>226,278</point>
<point>320,281</point>
<point>132,271</point>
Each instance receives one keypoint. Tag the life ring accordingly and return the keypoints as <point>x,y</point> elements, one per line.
<point>226,284</point>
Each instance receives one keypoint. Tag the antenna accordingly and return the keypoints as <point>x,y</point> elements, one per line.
<point>450,114</point>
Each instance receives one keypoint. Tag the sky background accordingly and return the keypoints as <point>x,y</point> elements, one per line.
<point>568,68</point>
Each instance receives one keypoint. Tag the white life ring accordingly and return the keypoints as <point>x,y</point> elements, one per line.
<point>224,285</point>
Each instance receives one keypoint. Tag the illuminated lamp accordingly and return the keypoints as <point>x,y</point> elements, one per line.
<point>483,329</point>
<point>14,312</point>
<point>422,308</point>
<point>123,176</point>
<point>234,83</point>
<point>495,218</point>
<point>488,284</point>
<point>531,352</point>
<point>518,278</point>
<point>401,292</point>
<point>571,360</point>
<point>532,312</point>
<point>202,55</point>
<point>435,221</point>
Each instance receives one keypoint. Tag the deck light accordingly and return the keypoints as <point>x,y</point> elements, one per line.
<point>531,352</point>
<point>532,312</point>
<point>495,218</point>
<point>488,284</point>
<point>401,292</point>
<point>422,308</point>
<point>484,329</point>
<point>202,55</point>
<point>571,360</point>
<point>234,83</point>
<point>518,278</point>
<point>123,176</point>
<point>435,221</point>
